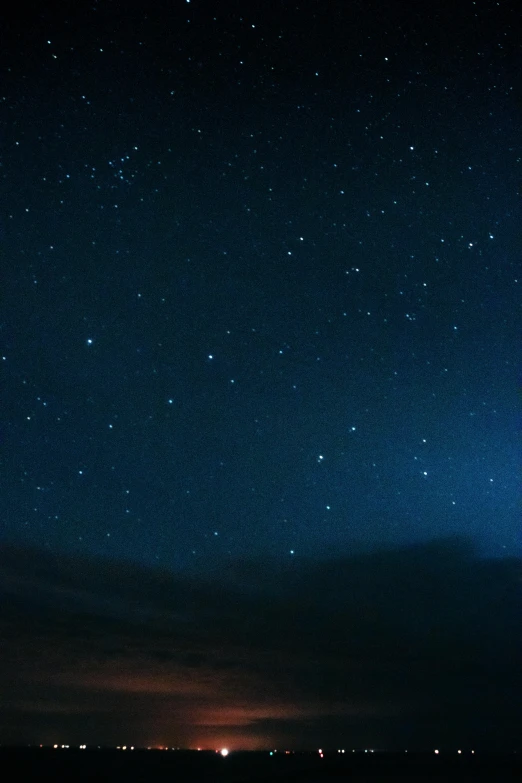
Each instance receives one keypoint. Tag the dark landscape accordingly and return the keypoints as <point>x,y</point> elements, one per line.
<point>117,766</point>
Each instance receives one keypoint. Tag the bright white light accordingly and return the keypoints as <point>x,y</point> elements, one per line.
<point>436,752</point>
<point>459,751</point>
<point>224,751</point>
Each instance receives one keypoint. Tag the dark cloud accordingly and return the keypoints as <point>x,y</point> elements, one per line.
<point>400,647</point>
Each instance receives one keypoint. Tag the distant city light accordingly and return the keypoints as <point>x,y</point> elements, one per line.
<point>224,751</point>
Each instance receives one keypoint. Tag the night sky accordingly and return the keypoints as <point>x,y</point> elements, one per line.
<point>259,324</point>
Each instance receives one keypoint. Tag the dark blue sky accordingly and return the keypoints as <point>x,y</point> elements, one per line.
<point>260,292</point>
